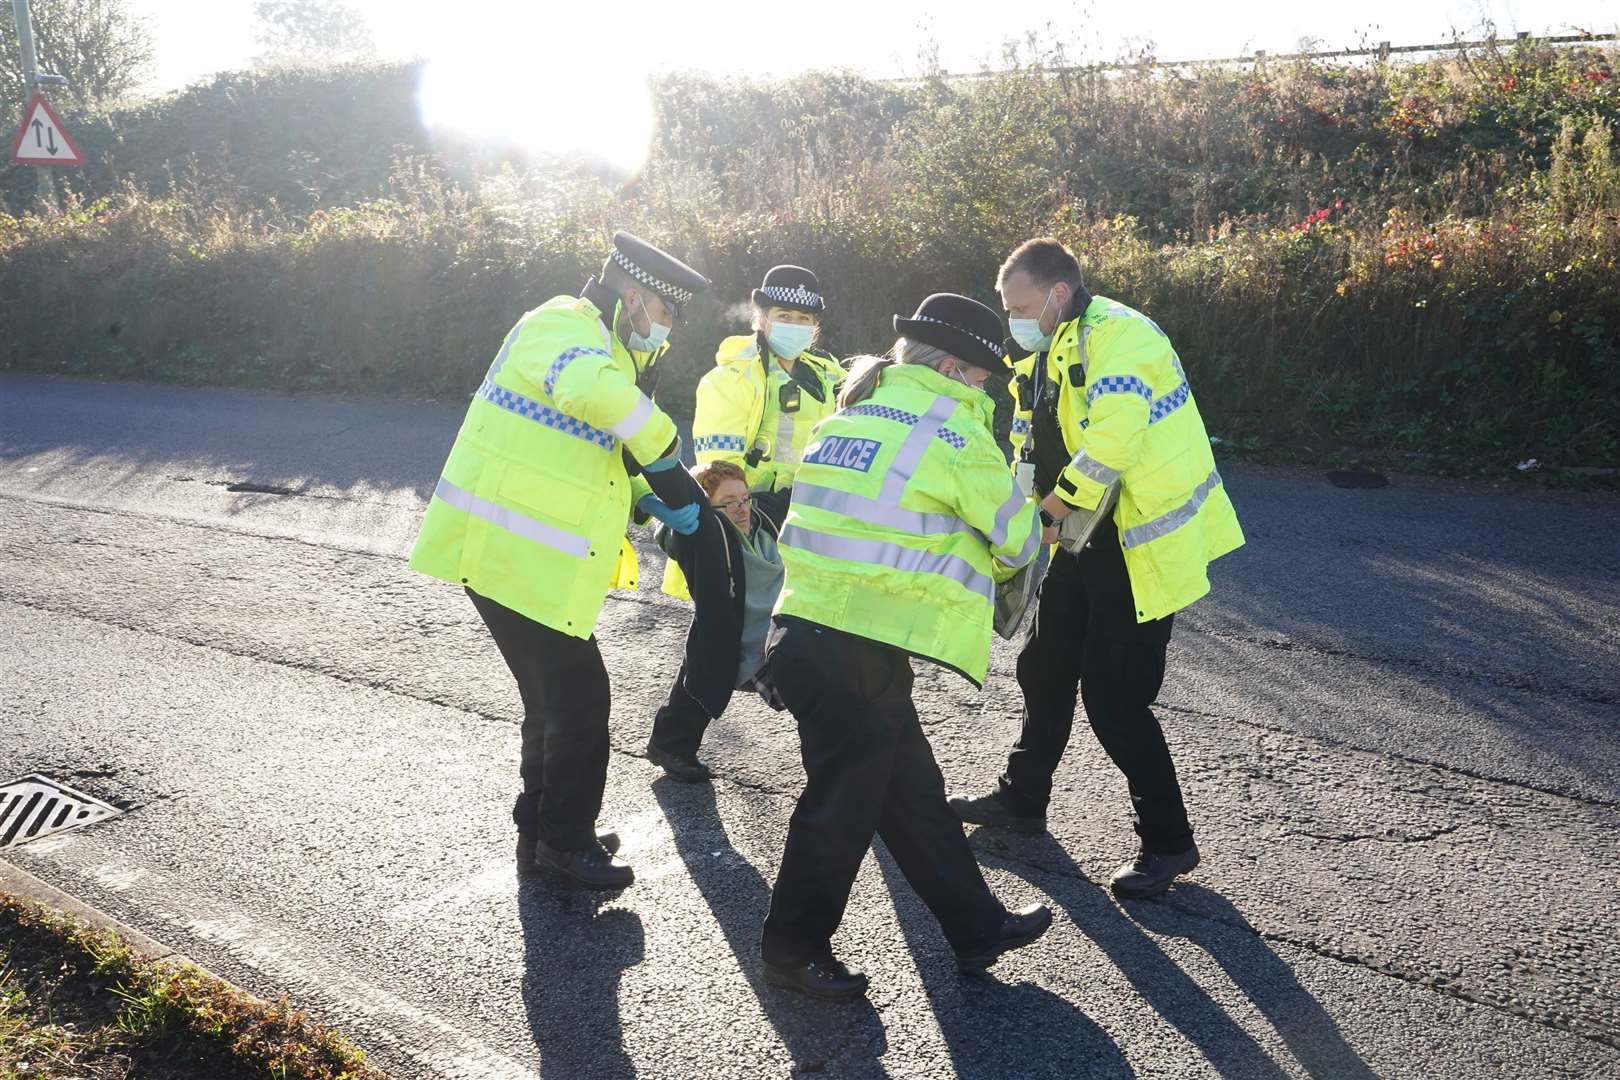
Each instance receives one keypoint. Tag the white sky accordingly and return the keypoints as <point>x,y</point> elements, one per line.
<point>505,38</point>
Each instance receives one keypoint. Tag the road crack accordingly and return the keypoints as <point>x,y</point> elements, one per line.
<point>1440,983</point>
<point>1388,836</point>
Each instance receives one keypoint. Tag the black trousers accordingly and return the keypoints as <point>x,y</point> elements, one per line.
<point>564,686</point>
<point>870,769</point>
<point>680,722</point>
<point>1085,641</point>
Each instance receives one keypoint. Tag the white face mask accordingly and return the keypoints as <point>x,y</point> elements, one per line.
<point>1027,332</point>
<point>788,340</point>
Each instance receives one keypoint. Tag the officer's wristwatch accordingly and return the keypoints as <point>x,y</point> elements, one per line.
<point>1046,519</point>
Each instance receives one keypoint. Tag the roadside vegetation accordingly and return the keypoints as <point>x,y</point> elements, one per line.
<point>1415,261</point>
<point>78,1003</point>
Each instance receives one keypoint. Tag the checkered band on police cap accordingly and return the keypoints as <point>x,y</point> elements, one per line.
<point>995,347</point>
<point>674,293</point>
<point>798,295</point>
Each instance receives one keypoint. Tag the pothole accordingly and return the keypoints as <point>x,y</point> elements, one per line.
<point>37,806</point>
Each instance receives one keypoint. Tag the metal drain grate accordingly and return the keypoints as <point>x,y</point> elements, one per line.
<point>37,806</point>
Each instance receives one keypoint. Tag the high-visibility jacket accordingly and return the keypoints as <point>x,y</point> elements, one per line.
<point>1127,413</point>
<point>1019,389</point>
<point>900,503</point>
<point>533,503</point>
<point>740,408</point>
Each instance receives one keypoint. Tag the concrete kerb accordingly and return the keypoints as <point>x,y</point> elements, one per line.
<point>18,882</point>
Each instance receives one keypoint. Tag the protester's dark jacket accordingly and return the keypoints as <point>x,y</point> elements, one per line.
<point>712,561</point>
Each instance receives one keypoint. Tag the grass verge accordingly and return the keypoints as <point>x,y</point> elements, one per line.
<point>77,1002</point>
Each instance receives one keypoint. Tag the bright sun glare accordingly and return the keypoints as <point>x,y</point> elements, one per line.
<point>540,86</point>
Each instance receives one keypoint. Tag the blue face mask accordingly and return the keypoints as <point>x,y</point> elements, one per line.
<point>657,334</point>
<point>788,340</point>
<point>1027,332</point>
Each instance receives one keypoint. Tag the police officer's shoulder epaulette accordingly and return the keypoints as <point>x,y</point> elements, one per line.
<point>747,350</point>
<point>822,353</point>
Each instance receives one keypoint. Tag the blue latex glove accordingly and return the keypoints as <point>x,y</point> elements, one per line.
<point>683,521</point>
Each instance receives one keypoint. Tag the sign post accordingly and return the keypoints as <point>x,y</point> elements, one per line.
<point>30,65</point>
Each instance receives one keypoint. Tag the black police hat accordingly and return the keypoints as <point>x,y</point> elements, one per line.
<point>961,326</point>
<point>791,287</point>
<point>658,270</point>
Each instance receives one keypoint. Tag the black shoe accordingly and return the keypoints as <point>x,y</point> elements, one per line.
<point>1020,928</point>
<point>1150,874</point>
<point>527,840</point>
<point>992,809</point>
<point>826,979</point>
<point>683,767</point>
<point>593,866</point>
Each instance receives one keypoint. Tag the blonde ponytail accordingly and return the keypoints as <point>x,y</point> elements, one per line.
<point>863,379</point>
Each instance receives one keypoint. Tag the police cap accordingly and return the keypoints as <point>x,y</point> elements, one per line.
<point>660,271</point>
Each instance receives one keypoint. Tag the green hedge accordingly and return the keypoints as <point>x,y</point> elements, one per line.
<point>1419,258</point>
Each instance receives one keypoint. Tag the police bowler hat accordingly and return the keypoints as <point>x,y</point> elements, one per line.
<point>960,325</point>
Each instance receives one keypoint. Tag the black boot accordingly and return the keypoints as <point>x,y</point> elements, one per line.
<point>683,767</point>
<point>592,866</point>
<point>1150,873</point>
<point>826,979</point>
<point>1020,928</point>
<point>528,838</point>
<point>992,809</point>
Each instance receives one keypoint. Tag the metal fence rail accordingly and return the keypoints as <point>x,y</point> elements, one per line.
<point>1382,51</point>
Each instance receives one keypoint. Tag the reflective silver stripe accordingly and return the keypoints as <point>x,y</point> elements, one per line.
<point>912,450</point>
<point>877,511</point>
<point>1004,516</point>
<point>895,556</point>
<point>631,425</point>
<point>1090,467</point>
<point>783,453</point>
<point>1168,523</point>
<point>1031,546</point>
<point>513,522</point>
<point>506,348</point>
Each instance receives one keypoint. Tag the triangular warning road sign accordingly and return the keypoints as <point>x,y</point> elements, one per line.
<point>42,140</point>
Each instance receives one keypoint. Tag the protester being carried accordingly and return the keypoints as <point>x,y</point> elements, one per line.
<point>733,573</point>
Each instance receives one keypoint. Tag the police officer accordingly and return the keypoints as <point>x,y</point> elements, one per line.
<point>901,503</point>
<point>530,514</point>
<point>1109,403</point>
<point>768,389</point>
<point>755,409</point>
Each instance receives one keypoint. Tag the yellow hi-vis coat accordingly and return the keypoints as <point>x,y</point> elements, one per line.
<point>1019,389</point>
<point>900,503</point>
<point>1127,414</point>
<point>532,506</point>
<point>739,407</point>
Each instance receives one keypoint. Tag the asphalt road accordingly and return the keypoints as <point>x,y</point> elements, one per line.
<point>1396,720</point>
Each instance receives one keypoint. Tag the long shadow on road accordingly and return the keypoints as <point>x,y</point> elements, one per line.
<point>842,1040</point>
<point>574,953</point>
<point>1208,920</point>
<point>996,1030</point>
<point>1303,1024</point>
